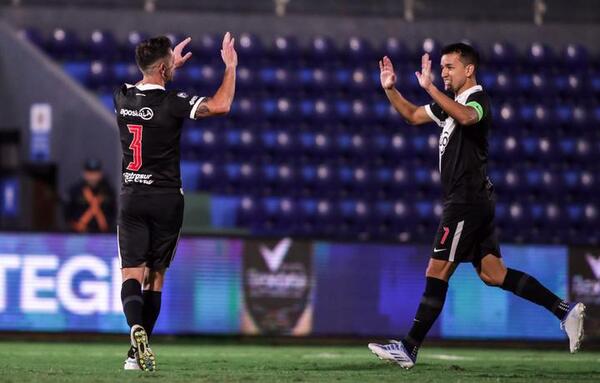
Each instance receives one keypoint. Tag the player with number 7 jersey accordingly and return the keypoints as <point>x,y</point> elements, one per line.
<point>150,120</point>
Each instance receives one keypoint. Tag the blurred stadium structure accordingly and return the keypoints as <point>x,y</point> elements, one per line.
<point>311,150</point>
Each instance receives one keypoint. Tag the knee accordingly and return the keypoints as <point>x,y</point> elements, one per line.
<point>491,280</point>
<point>153,281</point>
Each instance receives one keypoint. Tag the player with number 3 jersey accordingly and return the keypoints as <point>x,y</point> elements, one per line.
<point>150,119</point>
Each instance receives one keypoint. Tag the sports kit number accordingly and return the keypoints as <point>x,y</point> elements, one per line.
<point>136,147</point>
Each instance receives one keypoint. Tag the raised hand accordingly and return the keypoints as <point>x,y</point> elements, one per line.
<point>387,75</point>
<point>425,78</point>
<point>179,60</point>
<point>228,53</point>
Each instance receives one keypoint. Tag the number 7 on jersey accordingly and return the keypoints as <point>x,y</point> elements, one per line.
<point>136,147</point>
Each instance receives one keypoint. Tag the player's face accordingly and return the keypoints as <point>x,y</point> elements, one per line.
<point>454,72</point>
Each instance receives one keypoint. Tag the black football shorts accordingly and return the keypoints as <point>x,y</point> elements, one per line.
<point>466,233</point>
<point>149,226</point>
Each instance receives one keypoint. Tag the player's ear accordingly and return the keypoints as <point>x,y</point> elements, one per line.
<point>470,70</point>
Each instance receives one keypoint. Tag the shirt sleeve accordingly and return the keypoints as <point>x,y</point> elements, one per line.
<point>481,103</point>
<point>184,105</point>
<point>436,113</point>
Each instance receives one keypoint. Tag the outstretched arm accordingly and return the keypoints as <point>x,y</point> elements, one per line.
<point>413,114</point>
<point>221,102</point>
<point>464,115</point>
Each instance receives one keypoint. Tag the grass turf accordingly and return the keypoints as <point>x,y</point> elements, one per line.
<point>98,362</point>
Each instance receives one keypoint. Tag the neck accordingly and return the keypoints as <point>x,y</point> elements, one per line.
<point>152,79</point>
<point>471,82</point>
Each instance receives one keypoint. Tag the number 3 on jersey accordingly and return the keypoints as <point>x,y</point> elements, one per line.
<point>136,147</point>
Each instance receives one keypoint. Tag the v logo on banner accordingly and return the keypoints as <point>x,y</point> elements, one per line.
<point>275,257</point>
<point>594,264</point>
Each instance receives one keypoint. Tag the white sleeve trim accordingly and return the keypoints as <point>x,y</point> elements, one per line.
<point>196,105</point>
<point>433,116</point>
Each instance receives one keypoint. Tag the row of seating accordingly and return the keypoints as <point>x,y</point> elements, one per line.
<point>573,82</point>
<point>374,182</point>
<point>63,43</point>
<point>411,220</point>
<point>376,144</point>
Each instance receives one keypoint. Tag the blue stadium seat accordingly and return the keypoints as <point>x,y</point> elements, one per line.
<point>575,56</point>
<point>250,47</point>
<point>101,76</point>
<point>358,50</point>
<point>102,45</point>
<point>207,47</point>
<point>198,77</point>
<point>128,47</point>
<point>285,49</point>
<point>79,70</point>
<point>502,54</point>
<point>64,44</point>
<point>396,50</point>
<point>540,55</point>
<point>125,72</point>
<point>190,175</point>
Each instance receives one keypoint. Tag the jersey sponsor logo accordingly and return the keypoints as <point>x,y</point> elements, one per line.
<point>193,100</point>
<point>138,178</point>
<point>436,250</point>
<point>182,95</point>
<point>144,113</point>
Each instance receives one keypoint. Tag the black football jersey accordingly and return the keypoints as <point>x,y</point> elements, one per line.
<point>463,150</point>
<point>150,120</point>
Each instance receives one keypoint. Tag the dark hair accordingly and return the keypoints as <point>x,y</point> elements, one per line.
<point>149,51</point>
<point>468,54</point>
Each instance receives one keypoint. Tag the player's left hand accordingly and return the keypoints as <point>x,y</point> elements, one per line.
<point>228,53</point>
<point>178,50</point>
<point>425,77</point>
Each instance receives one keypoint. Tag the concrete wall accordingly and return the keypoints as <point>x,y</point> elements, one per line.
<point>82,127</point>
<point>267,26</point>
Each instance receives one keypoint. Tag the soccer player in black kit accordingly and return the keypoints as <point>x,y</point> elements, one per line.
<point>466,232</point>
<point>151,201</point>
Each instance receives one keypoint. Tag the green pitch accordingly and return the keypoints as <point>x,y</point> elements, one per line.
<point>97,362</point>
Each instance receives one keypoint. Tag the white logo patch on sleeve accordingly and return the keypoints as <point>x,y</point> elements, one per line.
<point>182,95</point>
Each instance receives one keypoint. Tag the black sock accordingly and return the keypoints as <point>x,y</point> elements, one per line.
<point>429,309</point>
<point>527,287</point>
<point>131,297</point>
<point>152,300</point>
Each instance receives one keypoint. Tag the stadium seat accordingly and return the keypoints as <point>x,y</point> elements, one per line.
<point>64,44</point>
<point>102,45</point>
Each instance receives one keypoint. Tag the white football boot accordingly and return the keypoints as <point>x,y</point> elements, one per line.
<point>573,326</point>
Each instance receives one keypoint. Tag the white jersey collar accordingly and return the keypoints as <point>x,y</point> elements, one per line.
<point>144,87</point>
<point>462,97</point>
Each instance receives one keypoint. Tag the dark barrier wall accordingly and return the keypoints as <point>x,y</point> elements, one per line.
<point>339,27</point>
<point>79,126</point>
<point>61,283</point>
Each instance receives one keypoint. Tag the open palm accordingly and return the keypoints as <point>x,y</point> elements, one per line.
<point>425,77</point>
<point>387,75</point>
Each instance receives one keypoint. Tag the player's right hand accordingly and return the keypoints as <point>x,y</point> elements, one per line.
<point>387,75</point>
<point>228,53</point>
<point>178,50</point>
